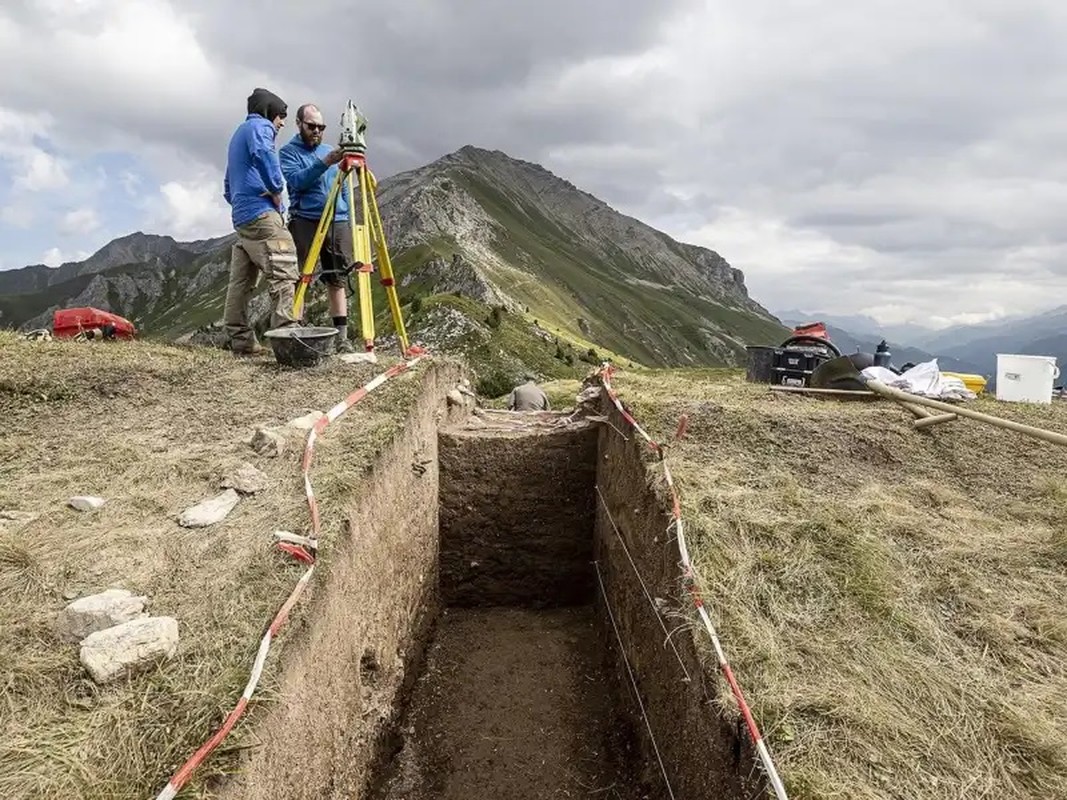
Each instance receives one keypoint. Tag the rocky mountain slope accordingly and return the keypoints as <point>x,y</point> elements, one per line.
<point>495,230</point>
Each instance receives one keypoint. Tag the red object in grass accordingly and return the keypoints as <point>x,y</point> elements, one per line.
<point>69,322</point>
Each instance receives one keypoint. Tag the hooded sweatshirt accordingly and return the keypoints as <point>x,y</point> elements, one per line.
<point>310,181</point>
<point>253,172</point>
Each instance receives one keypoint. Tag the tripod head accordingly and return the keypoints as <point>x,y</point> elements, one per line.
<point>353,126</point>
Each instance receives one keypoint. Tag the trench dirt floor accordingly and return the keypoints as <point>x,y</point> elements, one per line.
<point>515,703</point>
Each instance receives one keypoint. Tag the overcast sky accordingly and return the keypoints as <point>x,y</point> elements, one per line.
<point>904,159</point>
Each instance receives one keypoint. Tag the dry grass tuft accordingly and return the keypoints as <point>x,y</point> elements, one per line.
<point>153,429</point>
<point>892,601</point>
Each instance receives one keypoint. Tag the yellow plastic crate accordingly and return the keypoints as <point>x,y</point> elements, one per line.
<point>976,383</point>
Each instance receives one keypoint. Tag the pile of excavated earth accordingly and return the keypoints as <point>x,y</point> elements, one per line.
<point>497,603</point>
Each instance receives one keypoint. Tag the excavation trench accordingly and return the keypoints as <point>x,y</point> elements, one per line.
<point>486,628</point>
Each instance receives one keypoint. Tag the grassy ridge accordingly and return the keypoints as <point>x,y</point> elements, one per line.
<point>889,599</point>
<point>569,281</point>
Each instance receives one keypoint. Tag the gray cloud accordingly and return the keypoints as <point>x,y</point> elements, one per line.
<point>901,157</point>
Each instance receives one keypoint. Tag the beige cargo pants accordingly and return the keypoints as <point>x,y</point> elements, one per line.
<point>263,245</point>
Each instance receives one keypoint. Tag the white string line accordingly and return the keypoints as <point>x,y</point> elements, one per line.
<point>633,681</point>
<point>651,602</point>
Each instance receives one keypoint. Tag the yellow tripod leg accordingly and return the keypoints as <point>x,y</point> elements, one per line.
<point>386,266</point>
<point>316,248</point>
<point>361,246</point>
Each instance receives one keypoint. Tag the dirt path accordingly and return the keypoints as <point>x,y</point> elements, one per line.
<point>513,703</point>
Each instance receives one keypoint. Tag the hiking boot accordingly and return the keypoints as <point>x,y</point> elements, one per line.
<point>345,346</point>
<point>245,352</point>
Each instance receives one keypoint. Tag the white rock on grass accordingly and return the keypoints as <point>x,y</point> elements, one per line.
<point>97,612</point>
<point>125,648</point>
<point>268,442</point>
<point>210,511</point>
<point>306,422</point>
<point>246,479</point>
<point>86,503</point>
<point>359,358</point>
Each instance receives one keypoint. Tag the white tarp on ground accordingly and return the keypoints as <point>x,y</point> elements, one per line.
<point>923,379</point>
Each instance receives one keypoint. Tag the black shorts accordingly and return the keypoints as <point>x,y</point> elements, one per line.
<point>336,252</point>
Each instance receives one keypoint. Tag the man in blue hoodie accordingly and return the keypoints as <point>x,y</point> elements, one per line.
<point>253,187</point>
<point>310,168</point>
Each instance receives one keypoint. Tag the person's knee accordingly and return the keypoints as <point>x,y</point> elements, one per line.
<point>332,280</point>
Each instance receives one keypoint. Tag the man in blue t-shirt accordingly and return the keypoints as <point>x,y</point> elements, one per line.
<point>310,169</point>
<point>253,187</point>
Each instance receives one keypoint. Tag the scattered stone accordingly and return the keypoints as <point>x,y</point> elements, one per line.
<point>210,511</point>
<point>268,442</point>
<point>17,516</point>
<point>97,612</point>
<point>455,397</point>
<point>129,646</point>
<point>474,423</point>
<point>306,422</point>
<point>86,503</point>
<point>70,594</point>
<point>13,520</point>
<point>246,479</point>
<point>359,358</point>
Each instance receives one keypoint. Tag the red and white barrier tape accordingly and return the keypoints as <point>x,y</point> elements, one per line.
<point>694,590</point>
<point>181,777</point>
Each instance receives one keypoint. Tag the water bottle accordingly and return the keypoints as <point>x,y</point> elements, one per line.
<point>882,356</point>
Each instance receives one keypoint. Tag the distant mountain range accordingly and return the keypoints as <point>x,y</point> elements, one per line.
<point>476,224</point>
<point>964,348</point>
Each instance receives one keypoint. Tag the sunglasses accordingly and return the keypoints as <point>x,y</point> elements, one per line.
<point>314,126</point>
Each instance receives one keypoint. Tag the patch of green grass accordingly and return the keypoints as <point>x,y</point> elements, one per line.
<point>499,346</point>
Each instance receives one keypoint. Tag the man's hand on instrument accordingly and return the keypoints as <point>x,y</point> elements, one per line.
<point>333,157</point>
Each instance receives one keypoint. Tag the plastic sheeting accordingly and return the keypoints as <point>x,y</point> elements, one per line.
<point>925,380</point>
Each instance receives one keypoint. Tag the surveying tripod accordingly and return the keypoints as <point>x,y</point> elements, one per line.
<point>353,166</point>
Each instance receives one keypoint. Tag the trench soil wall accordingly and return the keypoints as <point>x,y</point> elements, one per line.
<point>501,544</point>
<point>368,610</point>
<point>518,697</point>
<point>517,511</point>
<point>705,757</point>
